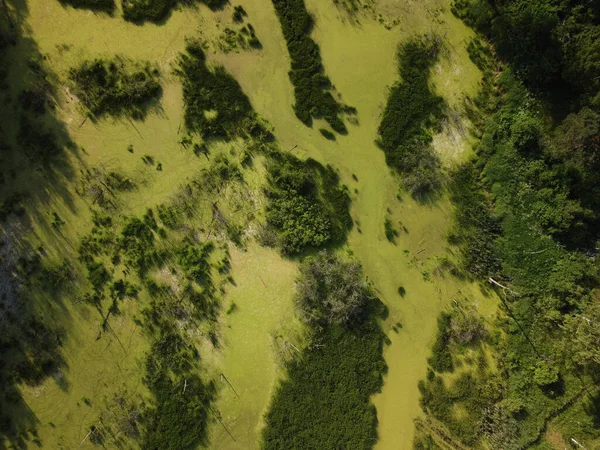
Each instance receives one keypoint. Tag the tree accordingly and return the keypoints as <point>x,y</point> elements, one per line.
<point>331,291</point>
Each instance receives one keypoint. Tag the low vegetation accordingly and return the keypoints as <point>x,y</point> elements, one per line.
<point>157,10</point>
<point>325,401</point>
<point>308,207</point>
<point>312,88</point>
<point>115,87</point>
<point>411,113</point>
<point>97,5</point>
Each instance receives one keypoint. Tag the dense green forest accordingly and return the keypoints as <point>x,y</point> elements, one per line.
<point>527,220</point>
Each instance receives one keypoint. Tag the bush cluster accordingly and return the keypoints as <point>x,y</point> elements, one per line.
<point>411,112</point>
<point>115,86</point>
<point>307,205</point>
<point>97,5</point>
<point>312,88</point>
<point>215,106</point>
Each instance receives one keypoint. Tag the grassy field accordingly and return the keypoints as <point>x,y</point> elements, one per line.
<point>358,53</point>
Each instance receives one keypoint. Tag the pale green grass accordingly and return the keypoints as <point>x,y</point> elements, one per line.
<point>263,290</point>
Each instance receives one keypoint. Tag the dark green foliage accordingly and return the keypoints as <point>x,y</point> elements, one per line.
<point>178,419</point>
<point>551,44</point>
<point>97,275</point>
<point>441,356</point>
<point>216,106</point>
<point>411,111</point>
<point>390,231</point>
<point>474,393</point>
<point>307,205</point>
<point>97,5</point>
<point>137,244</point>
<point>194,260</point>
<point>122,288</point>
<point>526,214</point>
<point>325,402</point>
<point>157,10</point>
<point>312,88</point>
<point>142,10</point>
<point>115,86</point>
<point>239,13</point>
<point>475,228</point>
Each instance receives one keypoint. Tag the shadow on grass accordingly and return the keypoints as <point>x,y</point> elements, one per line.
<point>35,168</point>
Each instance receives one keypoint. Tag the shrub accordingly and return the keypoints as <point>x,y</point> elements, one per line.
<point>98,5</point>
<point>411,110</point>
<point>331,291</point>
<point>325,402</point>
<point>115,87</point>
<point>239,13</point>
<point>441,356</point>
<point>215,104</point>
<point>311,86</point>
<point>307,205</point>
<point>327,134</point>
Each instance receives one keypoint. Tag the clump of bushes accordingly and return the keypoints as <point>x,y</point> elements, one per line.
<point>327,134</point>
<point>215,106</point>
<point>441,356</point>
<point>325,402</point>
<point>331,291</point>
<point>97,5</point>
<point>156,10</point>
<point>137,243</point>
<point>193,260</point>
<point>312,88</point>
<point>115,87</point>
<point>142,10</point>
<point>239,13</point>
<point>390,230</point>
<point>411,111</point>
<point>307,205</point>
<point>176,419</point>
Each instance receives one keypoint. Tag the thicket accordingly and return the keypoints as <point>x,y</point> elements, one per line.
<point>308,206</point>
<point>312,88</point>
<point>215,105</point>
<point>325,401</point>
<point>115,86</point>
<point>157,10</point>
<point>98,5</point>
<point>411,113</point>
<point>179,417</point>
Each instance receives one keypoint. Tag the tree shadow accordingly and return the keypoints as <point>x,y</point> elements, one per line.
<point>36,168</point>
